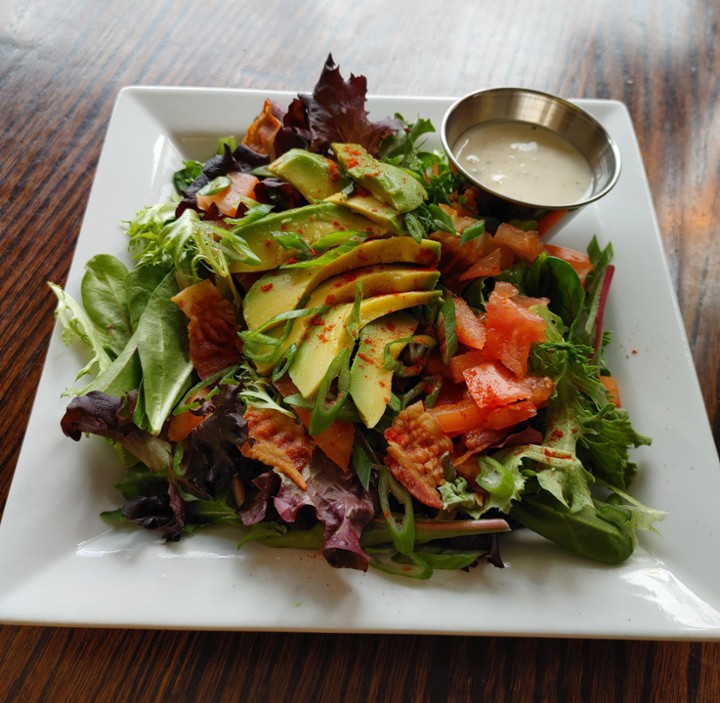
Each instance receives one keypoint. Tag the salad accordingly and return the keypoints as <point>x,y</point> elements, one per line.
<point>329,341</point>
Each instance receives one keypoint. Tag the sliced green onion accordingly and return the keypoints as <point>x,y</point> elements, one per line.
<point>395,403</point>
<point>333,239</point>
<point>293,241</point>
<point>348,413</point>
<point>256,211</point>
<point>413,227</point>
<point>266,348</point>
<point>362,464</point>
<point>283,363</point>
<point>446,330</point>
<point>433,386</point>
<point>189,402</point>
<point>377,532</point>
<point>410,565</point>
<point>403,532</point>
<point>441,219</point>
<point>450,559</point>
<point>214,241</point>
<point>353,325</point>
<point>428,386</point>
<point>347,245</point>
<point>216,185</point>
<point>396,366</point>
<point>329,403</point>
<point>230,142</point>
<point>473,232</point>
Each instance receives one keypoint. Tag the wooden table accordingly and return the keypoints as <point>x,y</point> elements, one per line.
<point>61,67</point>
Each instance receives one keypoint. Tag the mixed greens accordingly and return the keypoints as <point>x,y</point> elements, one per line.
<point>327,341</point>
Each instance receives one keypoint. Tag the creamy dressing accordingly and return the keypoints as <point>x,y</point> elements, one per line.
<point>525,162</point>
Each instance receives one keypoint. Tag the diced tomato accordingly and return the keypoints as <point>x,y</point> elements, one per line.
<point>511,331</point>
<point>468,326</point>
<point>460,222</point>
<point>489,265</point>
<point>460,417</point>
<point>541,388</point>
<point>505,289</point>
<point>336,441</point>
<point>465,203</point>
<point>579,260</point>
<point>228,200</point>
<point>434,366</point>
<point>550,220</point>
<point>451,393</point>
<point>491,385</point>
<point>613,389</point>
<point>525,245</point>
<point>182,424</point>
<point>509,415</point>
<point>460,362</point>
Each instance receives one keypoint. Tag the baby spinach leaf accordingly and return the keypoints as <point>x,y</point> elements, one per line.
<point>139,286</point>
<point>162,348</point>
<point>553,278</point>
<point>183,178</point>
<point>585,532</point>
<point>122,375</point>
<point>104,299</point>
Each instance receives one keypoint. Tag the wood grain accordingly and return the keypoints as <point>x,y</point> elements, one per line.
<point>61,67</point>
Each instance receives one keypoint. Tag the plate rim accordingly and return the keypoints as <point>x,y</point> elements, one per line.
<point>142,90</point>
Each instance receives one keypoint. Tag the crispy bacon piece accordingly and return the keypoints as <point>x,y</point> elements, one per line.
<point>212,327</point>
<point>480,439</point>
<point>261,134</point>
<point>468,467</point>
<point>416,445</point>
<point>278,441</point>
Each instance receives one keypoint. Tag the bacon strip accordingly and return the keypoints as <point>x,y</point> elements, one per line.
<point>416,445</point>
<point>212,327</point>
<point>261,134</point>
<point>279,442</point>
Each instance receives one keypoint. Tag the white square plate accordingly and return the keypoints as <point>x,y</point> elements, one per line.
<point>60,564</point>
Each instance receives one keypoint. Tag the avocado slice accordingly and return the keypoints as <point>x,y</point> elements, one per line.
<point>341,289</point>
<point>386,182</point>
<point>328,335</point>
<point>370,381</point>
<point>372,208</point>
<point>311,222</point>
<point>382,279</point>
<point>314,175</point>
<point>282,290</point>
